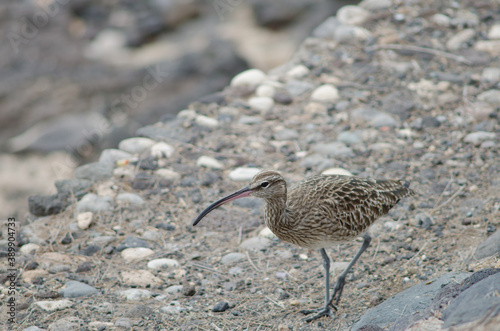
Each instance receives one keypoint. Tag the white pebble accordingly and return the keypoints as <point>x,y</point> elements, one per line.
<point>84,220</point>
<point>441,20</point>
<point>490,74</point>
<point>136,145</point>
<point>251,77</point>
<point>299,71</point>
<point>54,305</point>
<point>187,114</point>
<point>352,15</point>
<point>336,171</point>
<point>476,138</point>
<point>494,32</point>
<point>375,4</point>
<point>135,294</point>
<point>490,46</point>
<point>168,174</point>
<point>458,40</point>
<point>350,34</point>
<point>173,289</point>
<point>325,93</point>
<point>29,248</point>
<point>262,104</point>
<point>130,199</point>
<point>243,174</point>
<point>206,121</point>
<point>136,254</point>
<point>162,150</point>
<point>209,162</point>
<point>265,91</point>
<point>232,258</point>
<point>267,233</point>
<point>162,263</point>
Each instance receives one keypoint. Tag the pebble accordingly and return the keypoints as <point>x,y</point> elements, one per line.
<point>392,226</point>
<point>173,289</point>
<point>349,138</point>
<point>299,71</point>
<point>33,328</point>
<point>491,47</point>
<point>136,254</point>
<point>325,93</point>
<point>235,271</point>
<point>151,235</point>
<point>286,134</point>
<point>76,187</point>
<point>206,121</point>
<point>46,205</point>
<point>283,98</point>
<point>490,75</point>
<point>111,156</point>
<point>140,278</point>
<point>372,117</point>
<point>187,114</point>
<point>209,162</point>
<point>267,233</point>
<point>375,4</point>
<point>250,120</point>
<point>441,20</point>
<point>489,247</point>
<point>168,174</point>
<point>352,15</point>
<point>94,171</point>
<point>123,323</point>
<point>334,149</point>
<point>262,104</point>
<point>74,289</point>
<point>59,268</point>
<point>173,309</point>
<point>162,150</point>
<point>130,200</point>
<point>220,307</point>
<point>251,77</point>
<point>136,145</point>
<point>327,28</point>
<point>476,138</point>
<point>317,162</point>
<point>351,34</point>
<point>490,96</point>
<point>337,171</point>
<point>284,254</point>
<point>29,248</point>
<point>256,243</point>
<point>460,39</point>
<point>232,258</point>
<point>298,87</point>
<point>494,32</point>
<point>265,91</point>
<point>84,220</point>
<point>243,174</point>
<point>54,305</point>
<point>94,203</point>
<point>162,263</point>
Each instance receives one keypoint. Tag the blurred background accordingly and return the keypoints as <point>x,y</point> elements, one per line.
<point>79,76</point>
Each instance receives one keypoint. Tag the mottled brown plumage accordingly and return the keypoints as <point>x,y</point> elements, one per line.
<point>321,211</point>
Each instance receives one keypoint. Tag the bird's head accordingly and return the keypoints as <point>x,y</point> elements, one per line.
<point>266,184</point>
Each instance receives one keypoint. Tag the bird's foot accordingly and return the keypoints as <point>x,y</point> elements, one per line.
<point>337,291</point>
<point>324,311</point>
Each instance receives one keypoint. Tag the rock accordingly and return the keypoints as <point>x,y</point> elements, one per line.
<point>265,91</point>
<point>325,93</point>
<point>251,77</point>
<point>232,258</point>
<point>220,306</point>
<point>243,174</point>
<point>109,157</point>
<point>168,174</point>
<point>337,171</point>
<point>349,138</point>
<point>173,289</point>
<point>139,311</point>
<point>492,47</point>
<point>283,98</point>
<point>348,34</point>
<point>441,20</point>
<point>297,87</point>
<point>54,305</point>
<point>84,267</point>
<point>73,187</point>
<point>489,247</point>
<point>327,28</point>
<point>262,104</point>
<point>460,39</point>
<point>33,328</point>
<point>94,171</point>
<point>162,150</point>
<point>74,289</point>
<point>46,205</point>
<point>173,309</point>
<point>256,243</point>
<point>406,303</point>
<point>286,134</point>
<point>162,263</point>
<point>490,96</point>
<point>317,162</point>
<point>207,122</point>
<point>334,149</point>
<point>123,323</point>
<point>372,117</point>
<point>93,203</point>
<point>142,278</point>
<point>187,114</point>
<point>375,4</point>
<point>209,162</point>
<point>494,32</point>
<point>299,71</point>
<point>352,15</point>
<point>132,242</point>
<point>267,233</point>
<point>136,145</point>
<point>490,75</point>
<point>136,254</point>
<point>476,138</point>
<point>102,240</point>
<point>250,120</point>
<point>235,271</point>
<point>84,220</point>
<point>59,268</point>
<point>130,200</point>
<point>29,248</point>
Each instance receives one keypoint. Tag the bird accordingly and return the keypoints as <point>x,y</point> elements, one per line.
<point>319,212</point>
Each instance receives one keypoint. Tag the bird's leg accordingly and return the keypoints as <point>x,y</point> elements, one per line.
<point>339,286</point>
<point>327,309</point>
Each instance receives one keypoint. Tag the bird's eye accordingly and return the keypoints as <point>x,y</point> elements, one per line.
<point>264,184</point>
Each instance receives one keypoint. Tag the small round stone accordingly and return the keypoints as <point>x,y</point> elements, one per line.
<point>352,15</point>
<point>325,93</point>
<point>206,121</point>
<point>251,77</point>
<point>136,254</point>
<point>262,104</point>
<point>299,71</point>
<point>162,150</point>
<point>136,145</point>
<point>243,174</point>
<point>84,220</point>
<point>265,91</point>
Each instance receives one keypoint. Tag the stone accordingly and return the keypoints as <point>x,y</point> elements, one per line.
<point>299,71</point>
<point>492,47</point>
<point>40,205</point>
<point>337,171</point>
<point>490,96</point>
<point>206,121</point>
<point>352,15</point>
<point>29,248</point>
<point>136,145</point>
<point>325,93</point>
<point>162,150</point>
<point>243,174</point>
<point>460,39</point>
<point>375,4</point>
<point>317,162</point>
<point>74,289</point>
<point>490,75</point>
<point>139,311</point>
<point>142,278</point>
<point>348,34</point>
<point>173,289</point>
<point>162,263</point>
<point>110,156</point>
<point>286,134</point>
<point>251,77</point>
<point>187,114</point>
<point>232,258</point>
<point>173,309</point>
<point>334,149</point>
<point>494,32</point>
<point>73,187</point>
<point>349,138</point>
<point>132,242</point>
<point>372,117</point>
<point>94,171</point>
<point>441,20</point>
<point>209,162</point>
<point>267,233</point>
<point>489,247</point>
<point>265,91</point>
<point>136,254</point>
<point>54,305</point>
<point>102,240</point>
<point>168,174</point>
<point>84,220</point>
<point>283,98</point>
<point>476,138</point>
<point>327,28</point>
<point>297,87</point>
<point>220,307</point>
<point>94,203</point>
<point>123,323</point>
<point>250,120</point>
<point>130,200</point>
<point>262,104</point>
<point>256,243</point>
<point>235,271</point>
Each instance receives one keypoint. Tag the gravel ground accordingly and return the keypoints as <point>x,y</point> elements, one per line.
<point>348,99</point>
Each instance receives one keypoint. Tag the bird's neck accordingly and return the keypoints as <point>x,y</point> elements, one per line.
<point>276,211</point>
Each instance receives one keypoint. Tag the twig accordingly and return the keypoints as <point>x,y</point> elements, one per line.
<point>201,266</point>
<point>442,193</point>
<point>450,199</point>
<point>421,50</point>
<point>253,265</point>
<point>275,302</point>
<point>216,327</point>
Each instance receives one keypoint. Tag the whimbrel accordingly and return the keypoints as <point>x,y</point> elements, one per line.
<point>321,211</point>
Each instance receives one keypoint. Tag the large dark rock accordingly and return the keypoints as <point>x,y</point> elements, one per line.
<point>40,205</point>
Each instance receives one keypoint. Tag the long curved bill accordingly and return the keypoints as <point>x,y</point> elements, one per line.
<point>244,192</point>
